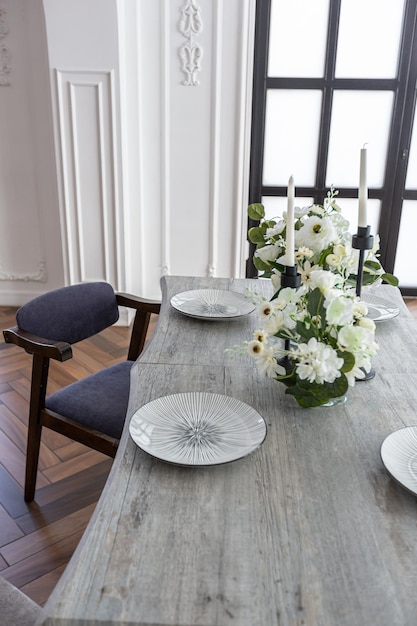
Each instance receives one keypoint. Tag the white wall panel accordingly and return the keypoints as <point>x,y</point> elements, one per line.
<point>90,209</point>
<point>192,136</point>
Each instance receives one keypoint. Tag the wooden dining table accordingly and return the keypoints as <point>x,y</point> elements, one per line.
<point>309,529</point>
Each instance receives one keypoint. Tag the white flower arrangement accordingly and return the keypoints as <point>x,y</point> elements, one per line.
<point>332,341</point>
<point>322,241</point>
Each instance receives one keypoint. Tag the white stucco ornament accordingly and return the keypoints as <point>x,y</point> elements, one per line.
<point>190,53</point>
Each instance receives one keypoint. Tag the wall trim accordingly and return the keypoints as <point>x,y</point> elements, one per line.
<point>39,276</point>
<point>165,142</point>
<point>75,255</point>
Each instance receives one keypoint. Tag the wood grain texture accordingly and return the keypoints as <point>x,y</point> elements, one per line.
<point>309,529</point>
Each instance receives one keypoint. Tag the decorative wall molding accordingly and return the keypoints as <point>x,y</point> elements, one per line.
<point>165,122</point>
<point>5,68</point>
<point>89,172</point>
<point>39,276</point>
<point>215,137</point>
<point>190,26</point>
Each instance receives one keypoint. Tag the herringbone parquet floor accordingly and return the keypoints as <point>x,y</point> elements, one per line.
<point>38,539</point>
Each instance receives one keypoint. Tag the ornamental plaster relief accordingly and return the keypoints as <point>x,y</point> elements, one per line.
<point>190,53</point>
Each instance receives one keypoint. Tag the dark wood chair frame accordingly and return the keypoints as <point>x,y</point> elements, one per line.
<point>43,350</point>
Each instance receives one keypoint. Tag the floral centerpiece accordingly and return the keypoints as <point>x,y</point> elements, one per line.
<point>332,340</point>
<point>322,241</point>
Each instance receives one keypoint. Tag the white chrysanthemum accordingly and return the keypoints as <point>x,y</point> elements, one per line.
<point>303,253</point>
<point>265,309</point>
<point>255,348</point>
<point>305,272</point>
<point>260,335</point>
<point>316,233</point>
<point>274,322</point>
<point>317,362</point>
<point>267,363</point>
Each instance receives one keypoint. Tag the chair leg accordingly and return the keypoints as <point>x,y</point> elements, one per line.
<point>37,402</point>
<point>32,459</point>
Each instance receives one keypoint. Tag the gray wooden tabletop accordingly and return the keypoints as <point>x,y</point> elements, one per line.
<point>309,529</point>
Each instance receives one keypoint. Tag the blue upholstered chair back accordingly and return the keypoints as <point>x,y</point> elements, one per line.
<point>70,314</point>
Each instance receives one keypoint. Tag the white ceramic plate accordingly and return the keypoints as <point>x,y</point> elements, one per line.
<point>380,309</point>
<point>197,429</point>
<point>399,455</point>
<point>214,304</point>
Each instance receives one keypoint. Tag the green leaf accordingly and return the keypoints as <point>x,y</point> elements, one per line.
<point>324,254</point>
<point>349,360</point>
<point>260,265</point>
<point>256,234</point>
<point>315,304</point>
<point>256,211</point>
<point>305,333</point>
<point>390,279</point>
<point>312,394</point>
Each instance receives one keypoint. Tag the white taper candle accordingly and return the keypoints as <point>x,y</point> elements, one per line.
<point>289,253</point>
<point>363,191</point>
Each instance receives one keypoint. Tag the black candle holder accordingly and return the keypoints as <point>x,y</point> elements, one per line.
<point>289,278</point>
<point>363,240</point>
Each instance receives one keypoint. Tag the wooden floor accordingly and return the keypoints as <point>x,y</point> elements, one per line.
<point>37,540</point>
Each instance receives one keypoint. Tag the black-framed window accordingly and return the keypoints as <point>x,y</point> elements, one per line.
<point>329,76</point>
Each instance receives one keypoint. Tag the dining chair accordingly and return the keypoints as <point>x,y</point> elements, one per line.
<point>16,608</point>
<point>92,410</point>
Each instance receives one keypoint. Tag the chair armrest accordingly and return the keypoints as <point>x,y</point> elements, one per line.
<point>58,350</point>
<point>140,304</point>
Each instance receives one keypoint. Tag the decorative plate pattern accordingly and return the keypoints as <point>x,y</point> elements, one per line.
<point>215,304</point>
<point>399,455</point>
<point>197,428</point>
<point>380,309</point>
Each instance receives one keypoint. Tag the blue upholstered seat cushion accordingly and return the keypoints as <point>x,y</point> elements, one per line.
<point>71,313</point>
<point>99,401</point>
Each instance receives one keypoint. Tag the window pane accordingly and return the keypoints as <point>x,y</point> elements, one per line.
<point>405,268</point>
<point>411,181</point>
<point>369,38</point>
<point>358,118</point>
<point>291,136</point>
<point>297,40</point>
<point>350,207</point>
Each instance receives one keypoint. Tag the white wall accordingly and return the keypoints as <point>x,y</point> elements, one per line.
<point>151,175</point>
<point>30,245</point>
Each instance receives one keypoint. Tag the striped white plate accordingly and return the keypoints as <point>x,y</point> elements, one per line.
<point>380,309</point>
<point>197,429</point>
<point>399,455</point>
<point>214,304</point>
